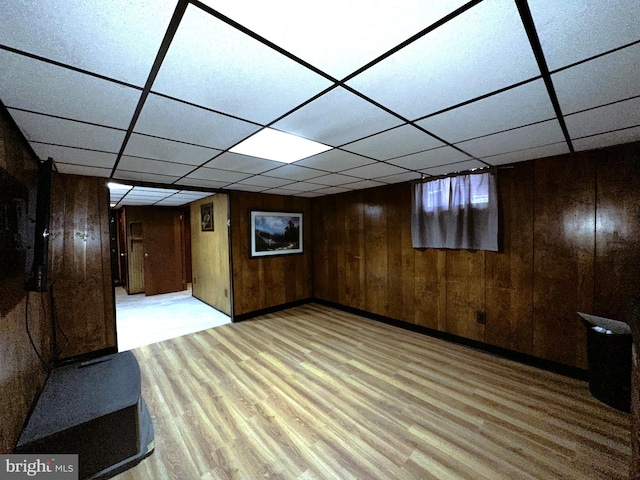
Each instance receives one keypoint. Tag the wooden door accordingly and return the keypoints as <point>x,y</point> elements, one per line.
<point>135,264</point>
<point>122,248</point>
<point>186,244</point>
<point>162,245</point>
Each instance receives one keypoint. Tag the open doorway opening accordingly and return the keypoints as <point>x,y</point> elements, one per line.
<point>142,320</point>
<point>171,272</point>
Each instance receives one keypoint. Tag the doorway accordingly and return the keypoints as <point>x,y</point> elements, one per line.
<point>142,320</point>
<point>155,240</point>
<point>155,295</point>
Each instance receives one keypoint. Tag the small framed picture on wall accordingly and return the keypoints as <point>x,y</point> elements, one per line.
<point>206,217</point>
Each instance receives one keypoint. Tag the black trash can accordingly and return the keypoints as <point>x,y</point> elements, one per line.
<point>609,358</point>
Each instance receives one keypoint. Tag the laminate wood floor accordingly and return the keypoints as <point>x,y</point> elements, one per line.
<point>316,393</point>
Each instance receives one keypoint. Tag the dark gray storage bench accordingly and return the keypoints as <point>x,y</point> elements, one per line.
<point>92,408</point>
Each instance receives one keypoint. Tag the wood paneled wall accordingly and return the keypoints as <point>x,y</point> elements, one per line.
<point>80,264</point>
<point>260,283</point>
<point>21,374</point>
<point>569,242</point>
<point>211,271</point>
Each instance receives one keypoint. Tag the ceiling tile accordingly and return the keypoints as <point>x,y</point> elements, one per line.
<point>194,194</point>
<point>315,31</point>
<point>337,117</point>
<point>242,163</point>
<point>572,30</point>
<point>204,173</point>
<point>172,202</point>
<point>607,139</point>
<point>70,169</point>
<point>332,190</point>
<point>604,119</point>
<point>304,186</point>
<point>480,51</point>
<point>147,197</point>
<point>261,181</point>
<point>160,149</point>
<point>430,158</point>
<point>43,129</point>
<point>281,191</point>
<point>364,184</point>
<point>334,179</point>
<point>44,88</point>
<point>144,177</point>
<point>118,38</point>
<point>75,156</point>
<point>240,76</point>
<point>175,120</point>
<point>294,172</point>
<point>195,182</point>
<point>603,80</point>
<point>394,143</point>
<point>519,106</point>
<point>521,138</point>
<point>309,194</point>
<point>335,161</point>
<point>191,196</point>
<point>158,192</point>
<point>137,164</point>
<point>119,189</point>
<point>400,177</point>
<point>373,171</point>
<point>453,168</point>
<point>136,203</point>
<point>553,149</point>
<point>247,188</point>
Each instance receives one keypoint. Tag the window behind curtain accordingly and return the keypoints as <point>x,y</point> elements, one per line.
<point>456,212</point>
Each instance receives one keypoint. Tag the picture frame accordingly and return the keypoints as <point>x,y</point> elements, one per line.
<point>276,233</point>
<point>206,217</point>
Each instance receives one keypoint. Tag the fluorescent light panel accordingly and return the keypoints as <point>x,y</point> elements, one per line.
<point>118,186</point>
<point>279,146</point>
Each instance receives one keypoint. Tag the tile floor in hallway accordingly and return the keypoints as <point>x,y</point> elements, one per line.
<point>142,320</point>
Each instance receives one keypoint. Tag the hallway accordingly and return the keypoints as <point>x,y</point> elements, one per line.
<point>142,320</point>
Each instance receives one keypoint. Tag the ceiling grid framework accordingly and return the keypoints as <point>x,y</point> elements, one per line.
<point>158,92</point>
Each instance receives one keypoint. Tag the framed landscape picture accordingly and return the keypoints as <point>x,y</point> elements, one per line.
<point>275,233</point>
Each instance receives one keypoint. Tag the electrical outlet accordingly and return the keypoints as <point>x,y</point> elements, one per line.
<point>481,317</point>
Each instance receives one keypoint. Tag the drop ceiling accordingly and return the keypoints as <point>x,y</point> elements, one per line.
<point>159,91</point>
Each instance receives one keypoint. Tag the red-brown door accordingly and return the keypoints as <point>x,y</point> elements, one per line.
<point>163,262</point>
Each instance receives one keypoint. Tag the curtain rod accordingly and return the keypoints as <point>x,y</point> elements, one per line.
<point>425,177</point>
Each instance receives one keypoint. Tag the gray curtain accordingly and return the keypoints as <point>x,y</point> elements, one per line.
<point>456,212</point>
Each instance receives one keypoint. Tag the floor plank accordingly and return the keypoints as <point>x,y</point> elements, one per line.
<point>316,393</point>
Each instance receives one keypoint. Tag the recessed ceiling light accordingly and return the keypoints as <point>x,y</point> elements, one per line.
<point>279,146</point>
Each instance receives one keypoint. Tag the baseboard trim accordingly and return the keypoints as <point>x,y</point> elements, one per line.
<point>276,308</point>
<point>82,357</point>
<point>549,365</point>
